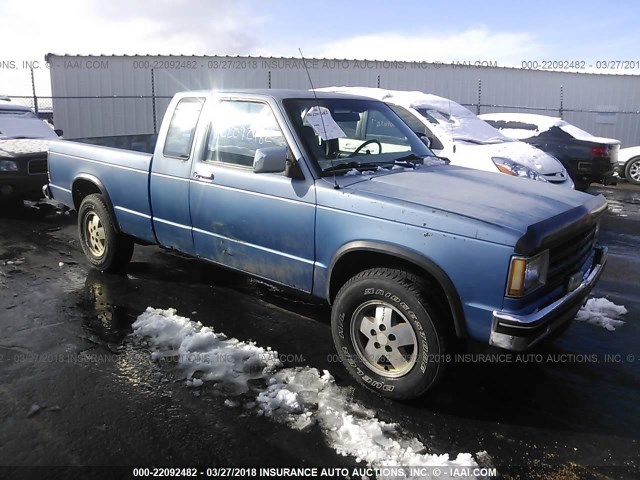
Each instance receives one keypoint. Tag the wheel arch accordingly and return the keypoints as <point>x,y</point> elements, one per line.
<point>85,184</point>
<point>627,164</point>
<point>358,256</point>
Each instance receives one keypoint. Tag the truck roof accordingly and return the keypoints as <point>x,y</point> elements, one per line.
<point>277,94</point>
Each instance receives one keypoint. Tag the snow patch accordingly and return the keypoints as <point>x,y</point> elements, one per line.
<point>199,350</point>
<point>602,312</point>
<point>299,397</point>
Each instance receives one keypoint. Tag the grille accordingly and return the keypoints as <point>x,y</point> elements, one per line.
<point>38,166</point>
<point>555,177</point>
<point>566,258</point>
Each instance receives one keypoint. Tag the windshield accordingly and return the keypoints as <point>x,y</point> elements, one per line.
<point>19,126</point>
<point>345,134</point>
<point>460,123</point>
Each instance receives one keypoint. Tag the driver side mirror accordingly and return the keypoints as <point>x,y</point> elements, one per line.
<point>58,131</point>
<point>270,160</point>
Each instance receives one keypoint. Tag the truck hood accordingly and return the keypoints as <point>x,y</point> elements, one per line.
<point>21,147</point>
<point>519,152</point>
<point>509,204</point>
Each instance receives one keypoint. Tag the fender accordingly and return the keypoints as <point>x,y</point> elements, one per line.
<point>393,250</point>
<point>103,191</point>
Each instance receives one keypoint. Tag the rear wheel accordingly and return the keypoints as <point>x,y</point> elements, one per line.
<point>388,334</point>
<point>105,247</point>
<point>632,171</point>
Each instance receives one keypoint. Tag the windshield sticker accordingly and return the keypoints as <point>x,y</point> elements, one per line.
<point>320,119</point>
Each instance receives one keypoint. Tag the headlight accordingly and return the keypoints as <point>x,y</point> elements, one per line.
<point>517,170</point>
<point>527,273</point>
<point>8,166</point>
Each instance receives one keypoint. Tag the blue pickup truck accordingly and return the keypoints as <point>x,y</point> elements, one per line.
<point>333,195</point>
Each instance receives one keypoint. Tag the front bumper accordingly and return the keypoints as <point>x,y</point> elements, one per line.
<point>23,187</point>
<point>46,192</point>
<point>520,332</point>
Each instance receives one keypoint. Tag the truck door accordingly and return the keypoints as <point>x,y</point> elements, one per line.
<point>260,223</point>
<point>170,172</point>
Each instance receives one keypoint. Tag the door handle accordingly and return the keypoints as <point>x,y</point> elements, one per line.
<point>204,176</point>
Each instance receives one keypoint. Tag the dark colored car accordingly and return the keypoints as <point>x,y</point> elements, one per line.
<point>23,169</point>
<point>24,140</point>
<point>587,158</point>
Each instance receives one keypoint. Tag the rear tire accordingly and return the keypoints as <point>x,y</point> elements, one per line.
<point>105,248</point>
<point>632,171</point>
<point>388,334</point>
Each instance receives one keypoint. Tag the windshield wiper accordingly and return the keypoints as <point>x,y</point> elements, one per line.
<point>410,161</point>
<point>476,141</point>
<point>350,165</point>
<point>407,160</point>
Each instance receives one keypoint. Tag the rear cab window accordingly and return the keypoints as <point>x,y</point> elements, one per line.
<point>182,128</point>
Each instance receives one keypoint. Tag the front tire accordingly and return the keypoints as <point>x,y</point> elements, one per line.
<point>632,171</point>
<point>105,248</point>
<point>388,334</point>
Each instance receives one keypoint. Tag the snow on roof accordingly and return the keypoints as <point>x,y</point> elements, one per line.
<point>451,119</point>
<point>7,105</point>
<point>399,97</point>
<point>542,123</point>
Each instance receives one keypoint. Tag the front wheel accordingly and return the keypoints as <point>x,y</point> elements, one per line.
<point>632,171</point>
<point>105,247</point>
<point>388,334</point>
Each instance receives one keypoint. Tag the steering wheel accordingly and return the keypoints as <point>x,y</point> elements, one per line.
<point>357,150</point>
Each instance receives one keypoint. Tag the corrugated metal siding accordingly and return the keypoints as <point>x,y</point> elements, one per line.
<point>497,89</point>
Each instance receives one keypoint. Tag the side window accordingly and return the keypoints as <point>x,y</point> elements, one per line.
<point>182,128</point>
<point>380,128</point>
<point>238,129</point>
<point>417,126</point>
<point>408,118</point>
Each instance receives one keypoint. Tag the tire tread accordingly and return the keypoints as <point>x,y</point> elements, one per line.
<point>119,254</point>
<point>418,287</point>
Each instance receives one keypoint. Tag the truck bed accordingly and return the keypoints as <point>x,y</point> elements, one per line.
<point>144,143</point>
<point>128,193</point>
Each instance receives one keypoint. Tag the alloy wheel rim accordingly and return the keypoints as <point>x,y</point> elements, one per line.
<point>95,235</point>
<point>634,170</point>
<point>384,339</point>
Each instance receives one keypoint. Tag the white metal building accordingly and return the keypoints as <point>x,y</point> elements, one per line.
<point>116,95</point>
